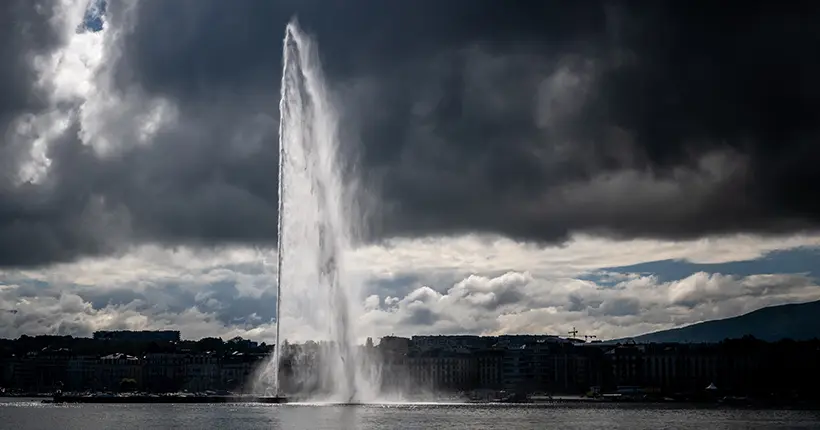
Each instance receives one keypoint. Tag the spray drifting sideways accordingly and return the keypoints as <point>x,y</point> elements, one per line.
<point>315,231</point>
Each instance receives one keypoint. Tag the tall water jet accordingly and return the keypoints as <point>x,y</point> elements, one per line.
<point>277,353</point>
<point>315,231</point>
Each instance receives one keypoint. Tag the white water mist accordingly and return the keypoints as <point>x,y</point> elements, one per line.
<point>315,234</point>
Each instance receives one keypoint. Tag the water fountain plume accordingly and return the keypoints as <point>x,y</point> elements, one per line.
<point>315,232</point>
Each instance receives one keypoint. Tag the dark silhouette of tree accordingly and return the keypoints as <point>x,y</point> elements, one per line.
<point>128,385</point>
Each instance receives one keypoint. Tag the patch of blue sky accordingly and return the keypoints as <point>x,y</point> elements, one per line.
<point>801,260</point>
<point>93,20</point>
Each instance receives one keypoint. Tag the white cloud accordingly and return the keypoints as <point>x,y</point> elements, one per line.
<point>67,313</point>
<point>582,254</point>
<point>459,285</point>
<point>555,306</point>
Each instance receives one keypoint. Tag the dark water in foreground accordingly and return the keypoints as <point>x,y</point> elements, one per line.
<point>30,415</point>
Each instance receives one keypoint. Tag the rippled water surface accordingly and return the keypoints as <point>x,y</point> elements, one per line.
<point>30,415</point>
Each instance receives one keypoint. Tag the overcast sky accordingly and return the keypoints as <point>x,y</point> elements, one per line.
<point>619,167</point>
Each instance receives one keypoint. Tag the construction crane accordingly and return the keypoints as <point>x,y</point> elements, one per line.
<point>587,337</point>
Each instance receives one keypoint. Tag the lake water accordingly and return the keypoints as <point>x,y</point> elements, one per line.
<point>31,415</point>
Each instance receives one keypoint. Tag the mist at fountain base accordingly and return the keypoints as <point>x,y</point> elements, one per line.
<point>304,379</point>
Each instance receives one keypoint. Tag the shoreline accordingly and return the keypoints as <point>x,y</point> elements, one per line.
<point>132,399</point>
<point>565,401</point>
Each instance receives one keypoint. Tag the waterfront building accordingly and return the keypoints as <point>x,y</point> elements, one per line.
<point>115,369</point>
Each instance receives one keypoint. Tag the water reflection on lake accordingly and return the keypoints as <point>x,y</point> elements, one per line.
<point>32,414</point>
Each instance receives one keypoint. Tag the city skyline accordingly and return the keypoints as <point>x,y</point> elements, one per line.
<point>514,368</point>
<point>605,168</point>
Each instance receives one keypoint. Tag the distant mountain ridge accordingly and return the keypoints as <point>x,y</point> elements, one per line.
<point>799,321</point>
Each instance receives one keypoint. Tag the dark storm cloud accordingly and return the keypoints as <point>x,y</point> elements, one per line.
<point>24,32</point>
<point>206,181</point>
<point>37,223</point>
<point>622,151</point>
<point>540,119</point>
<point>531,119</point>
